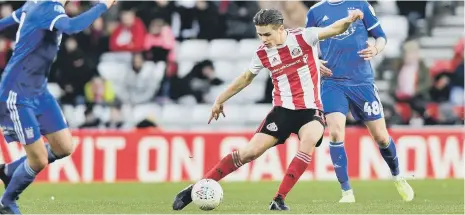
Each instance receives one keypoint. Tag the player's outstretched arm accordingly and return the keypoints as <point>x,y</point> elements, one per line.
<point>340,26</point>
<point>79,23</point>
<point>235,87</point>
<point>10,20</point>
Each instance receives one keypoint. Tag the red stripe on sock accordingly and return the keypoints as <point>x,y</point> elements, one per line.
<point>236,159</point>
<point>304,157</point>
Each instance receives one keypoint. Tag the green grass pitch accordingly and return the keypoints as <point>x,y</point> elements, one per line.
<point>316,197</point>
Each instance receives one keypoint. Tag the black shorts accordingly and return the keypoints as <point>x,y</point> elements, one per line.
<point>282,122</point>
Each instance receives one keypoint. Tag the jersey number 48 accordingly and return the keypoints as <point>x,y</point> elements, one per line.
<point>374,108</point>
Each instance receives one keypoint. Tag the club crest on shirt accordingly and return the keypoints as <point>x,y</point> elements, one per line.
<point>296,52</point>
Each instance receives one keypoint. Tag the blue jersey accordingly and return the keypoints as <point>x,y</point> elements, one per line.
<point>36,47</point>
<point>341,51</point>
<point>41,24</point>
<point>27,109</point>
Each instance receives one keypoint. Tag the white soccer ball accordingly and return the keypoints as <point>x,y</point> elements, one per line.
<point>207,194</point>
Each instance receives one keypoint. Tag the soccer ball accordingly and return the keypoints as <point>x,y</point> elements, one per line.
<point>207,194</point>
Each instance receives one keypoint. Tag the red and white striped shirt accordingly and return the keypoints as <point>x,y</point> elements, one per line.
<point>293,68</point>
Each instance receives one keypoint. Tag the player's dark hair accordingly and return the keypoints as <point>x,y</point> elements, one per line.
<point>266,17</point>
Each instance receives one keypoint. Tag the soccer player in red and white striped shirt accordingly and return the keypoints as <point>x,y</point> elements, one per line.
<point>291,58</point>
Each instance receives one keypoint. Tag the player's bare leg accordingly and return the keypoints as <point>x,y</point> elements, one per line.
<point>336,126</point>
<point>60,145</point>
<point>24,175</point>
<point>309,136</point>
<point>387,149</point>
<point>230,163</point>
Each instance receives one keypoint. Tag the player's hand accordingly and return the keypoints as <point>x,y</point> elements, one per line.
<point>324,70</point>
<point>108,3</point>
<point>217,109</point>
<point>354,15</point>
<point>369,52</point>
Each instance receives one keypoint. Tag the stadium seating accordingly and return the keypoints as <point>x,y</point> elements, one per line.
<point>55,89</point>
<point>193,50</point>
<point>437,42</point>
<point>112,71</point>
<point>387,8</point>
<point>228,65</point>
<point>447,32</point>
<point>395,26</point>
<point>232,57</point>
<point>120,57</point>
<point>393,50</point>
<point>247,48</point>
<point>223,49</point>
<point>184,67</point>
<point>225,70</point>
<point>437,53</point>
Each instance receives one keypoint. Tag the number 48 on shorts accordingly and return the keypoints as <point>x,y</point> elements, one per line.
<point>372,108</point>
<point>362,101</point>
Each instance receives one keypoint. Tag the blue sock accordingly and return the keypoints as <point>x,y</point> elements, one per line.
<point>339,158</point>
<point>389,154</point>
<point>22,177</point>
<point>11,167</point>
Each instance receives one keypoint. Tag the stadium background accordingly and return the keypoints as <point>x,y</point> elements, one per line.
<point>136,87</point>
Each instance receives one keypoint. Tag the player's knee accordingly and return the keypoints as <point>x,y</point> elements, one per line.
<point>336,133</point>
<point>381,137</point>
<point>66,151</point>
<point>61,143</point>
<point>63,152</point>
<point>42,163</point>
<point>307,145</point>
<point>310,134</point>
<point>336,126</point>
<point>382,140</point>
<point>249,155</point>
<point>38,164</point>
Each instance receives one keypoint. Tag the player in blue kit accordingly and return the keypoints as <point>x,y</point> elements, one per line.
<point>27,109</point>
<point>349,85</point>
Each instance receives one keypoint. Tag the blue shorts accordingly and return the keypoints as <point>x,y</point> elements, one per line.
<point>362,101</point>
<point>25,121</point>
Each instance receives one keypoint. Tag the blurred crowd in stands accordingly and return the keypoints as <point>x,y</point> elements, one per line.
<point>151,30</point>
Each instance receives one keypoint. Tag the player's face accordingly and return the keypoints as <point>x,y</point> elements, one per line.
<point>270,35</point>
